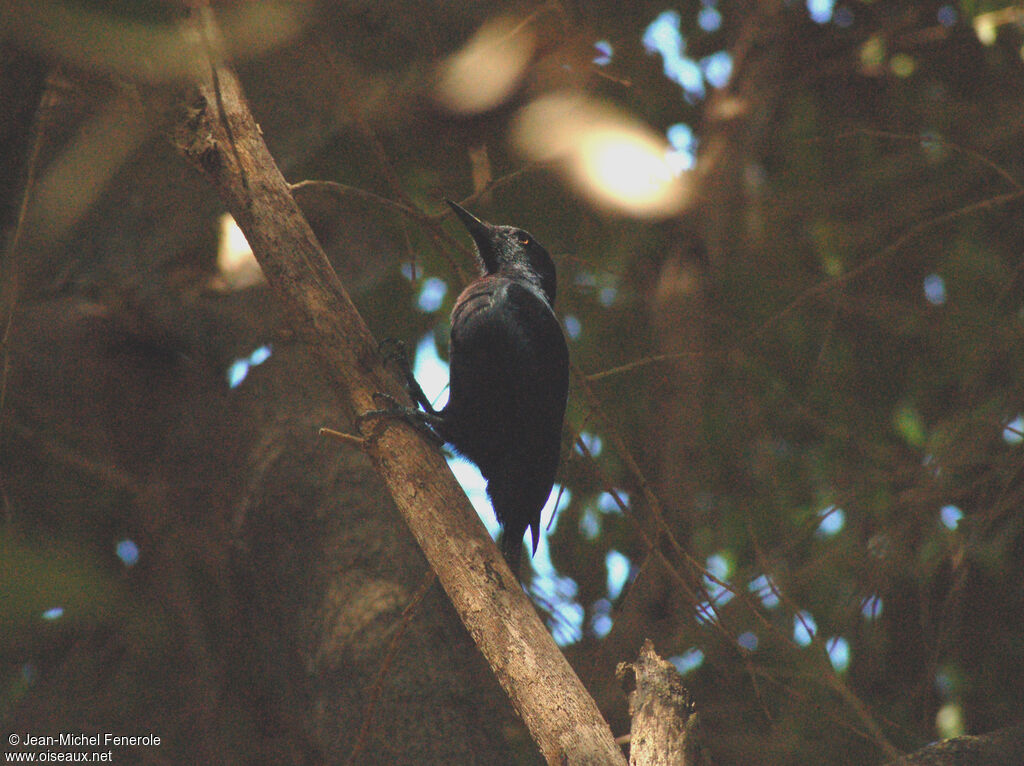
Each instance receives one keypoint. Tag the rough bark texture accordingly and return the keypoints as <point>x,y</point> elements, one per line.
<point>999,748</point>
<point>665,730</point>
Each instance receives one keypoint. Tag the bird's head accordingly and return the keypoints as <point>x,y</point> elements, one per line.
<point>510,251</point>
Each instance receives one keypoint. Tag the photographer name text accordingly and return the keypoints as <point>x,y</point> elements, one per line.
<point>69,739</point>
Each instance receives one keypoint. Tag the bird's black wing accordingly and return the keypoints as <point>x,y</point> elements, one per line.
<point>508,388</point>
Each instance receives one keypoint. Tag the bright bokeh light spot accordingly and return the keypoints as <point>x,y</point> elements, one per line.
<point>717,68</point>
<point>629,163</point>
<point>719,566</point>
<point>747,640</point>
<point>664,37</point>
<point>601,623</point>
<point>430,372</point>
<point>804,628</point>
<point>763,587</point>
<point>950,516</point>
<point>590,520</point>
<point>475,487</point>
<point>567,625</point>
<point>705,612</point>
<point>604,53</point>
<point>606,502</point>
<point>235,262</point>
<point>260,355</point>
<point>683,154</point>
<point>565,614</point>
<point>688,661</point>
<point>619,162</point>
<point>949,721</point>
<point>833,520</point>
<point>238,370</point>
<point>1013,432</point>
<point>54,613</point>
<point>431,295</point>
<point>871,609</point>
<point>618,573</point>
<point>719,569</point>
<point>572,326</point>
<point>838,652</point>
<point>488,68</point>
<point>128,552</point>
<point>709,19</point>
<point>821,10</point>
<point>592,442</point>
<point>935,289</point>
<point>986,28</point>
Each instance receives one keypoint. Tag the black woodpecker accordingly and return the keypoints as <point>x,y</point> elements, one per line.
<point>509,378</point>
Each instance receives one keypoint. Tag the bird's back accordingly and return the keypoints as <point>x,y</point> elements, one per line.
<point>508,387</point>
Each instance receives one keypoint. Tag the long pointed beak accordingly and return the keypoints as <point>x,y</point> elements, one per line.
<point>479,230</point>
<point>483,235</point>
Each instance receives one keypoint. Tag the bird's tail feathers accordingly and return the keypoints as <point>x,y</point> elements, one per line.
<point>512,548</point>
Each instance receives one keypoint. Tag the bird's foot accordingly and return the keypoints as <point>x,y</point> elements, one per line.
<point>395,350</point>
<point>425,422</point>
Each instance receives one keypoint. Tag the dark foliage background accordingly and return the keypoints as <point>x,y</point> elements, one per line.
<point>804,385</point>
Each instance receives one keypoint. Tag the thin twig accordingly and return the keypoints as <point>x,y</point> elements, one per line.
<point>350,439</point>
<point>342,190</point>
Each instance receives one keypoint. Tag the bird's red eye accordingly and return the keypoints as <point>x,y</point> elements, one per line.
<point>524,240</point>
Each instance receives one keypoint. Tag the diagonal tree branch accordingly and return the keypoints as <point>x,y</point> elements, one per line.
<point>562,718</point>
